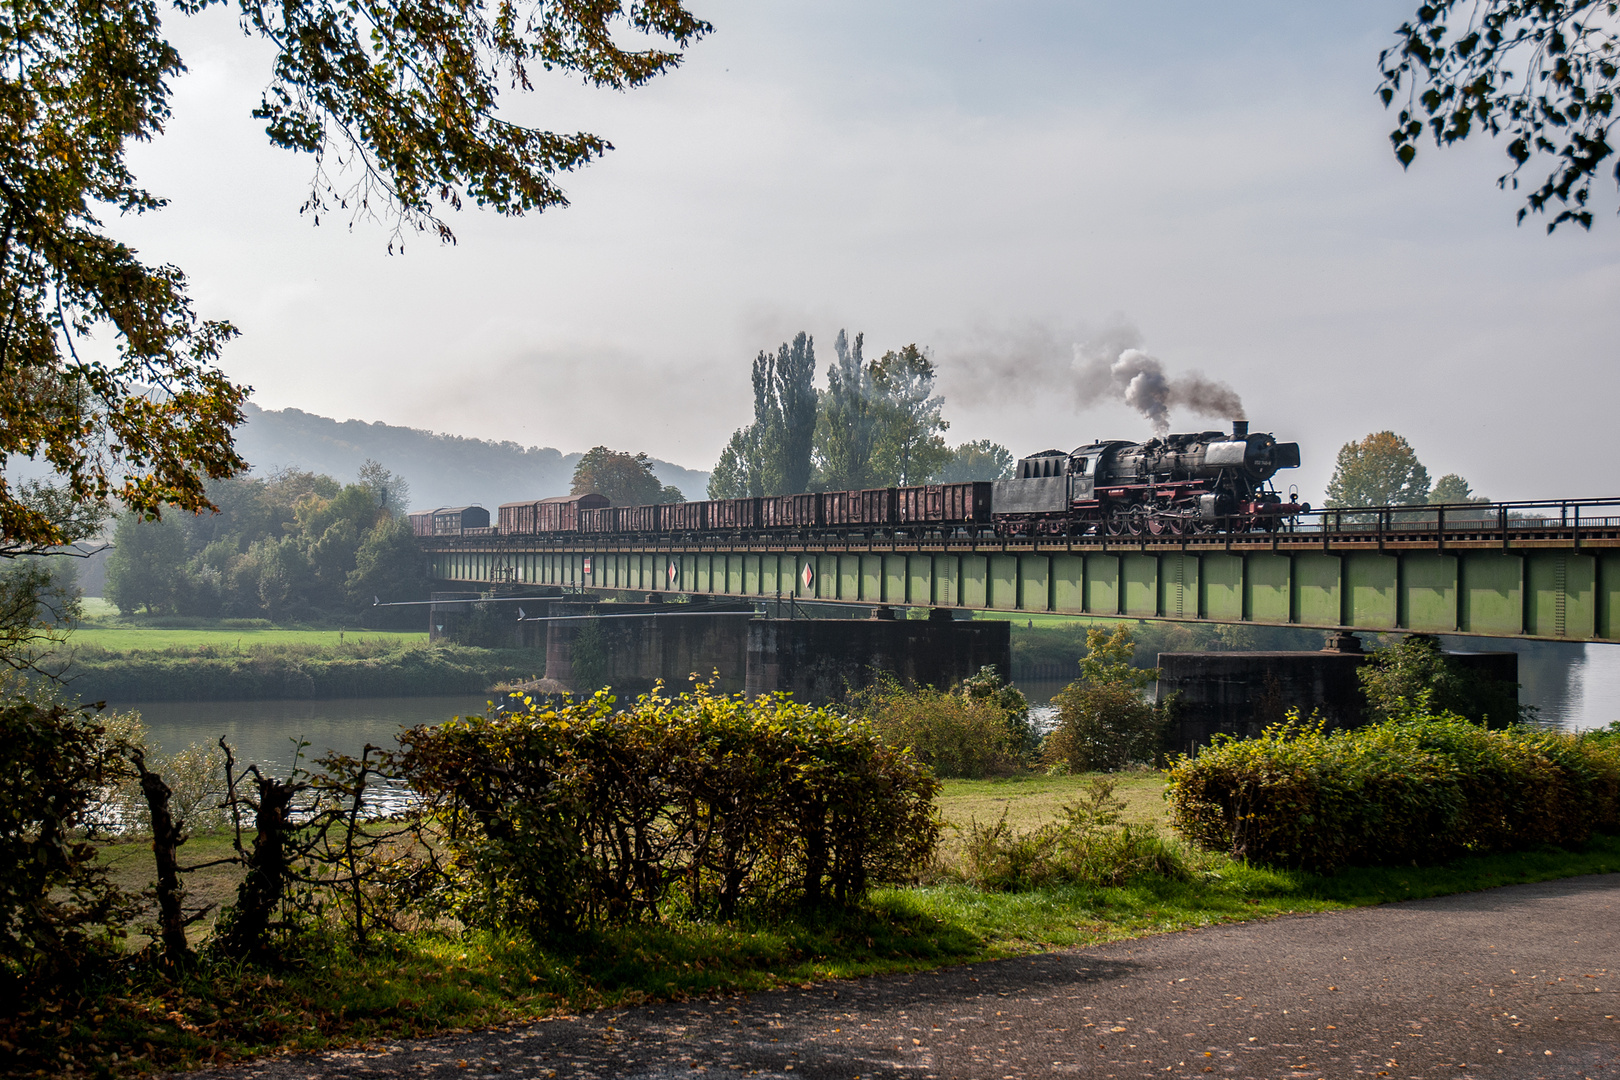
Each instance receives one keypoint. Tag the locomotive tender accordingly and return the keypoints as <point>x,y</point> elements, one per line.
<point>1172,484</point>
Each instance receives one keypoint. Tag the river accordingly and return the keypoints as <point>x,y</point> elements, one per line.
<point>1574,686</point>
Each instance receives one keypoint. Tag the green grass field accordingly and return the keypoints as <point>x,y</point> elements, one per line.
<point>1032,799</point>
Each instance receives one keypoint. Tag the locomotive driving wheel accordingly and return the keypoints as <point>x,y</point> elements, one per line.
<point>1136,523</point>
<point>1118,521</point>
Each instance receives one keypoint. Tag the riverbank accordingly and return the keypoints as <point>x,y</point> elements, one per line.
<point>226,669</point>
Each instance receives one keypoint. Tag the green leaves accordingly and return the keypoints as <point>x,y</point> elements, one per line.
<point>1561,81</point>
<point>1425,789</point>
<point>693,805</point>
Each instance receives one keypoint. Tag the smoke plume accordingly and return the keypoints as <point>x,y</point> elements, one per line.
<point>1140,381</point>
<point>1107,366</point>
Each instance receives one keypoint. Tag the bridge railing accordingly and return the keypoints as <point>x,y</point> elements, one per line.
<point>1568,516</point>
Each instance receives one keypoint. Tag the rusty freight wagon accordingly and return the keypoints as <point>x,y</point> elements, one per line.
<point>686,517</point>
<point>559,514</point>
<point>790,511</point>
<point>734,515</point>
<point>944,504</point>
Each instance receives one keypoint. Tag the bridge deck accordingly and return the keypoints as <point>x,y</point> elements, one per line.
<point>1502,572</point>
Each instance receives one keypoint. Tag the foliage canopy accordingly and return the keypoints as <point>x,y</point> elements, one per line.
<point>404,99</point>
<point>1380,470</point>
<point>1542,72</point>
<point>626,479</point>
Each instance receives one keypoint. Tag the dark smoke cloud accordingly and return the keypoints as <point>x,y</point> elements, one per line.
<point>1107,366</point>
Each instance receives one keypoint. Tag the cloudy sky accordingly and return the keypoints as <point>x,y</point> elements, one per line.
<point>997,181</point>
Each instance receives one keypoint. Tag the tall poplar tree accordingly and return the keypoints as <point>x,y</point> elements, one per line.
<point>771,456</point>
<point>849,420</point>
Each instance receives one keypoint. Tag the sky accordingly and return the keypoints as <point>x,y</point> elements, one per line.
<point>1000,182</point>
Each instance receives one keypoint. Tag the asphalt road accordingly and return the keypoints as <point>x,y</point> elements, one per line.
<point>1521,981</point>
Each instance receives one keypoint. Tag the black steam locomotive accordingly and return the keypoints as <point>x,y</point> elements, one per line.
<point>1175,484</point>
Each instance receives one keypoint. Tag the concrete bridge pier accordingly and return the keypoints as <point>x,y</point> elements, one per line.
<point>1243,693</point>
<point>821,660</point>
<point>816,660</point>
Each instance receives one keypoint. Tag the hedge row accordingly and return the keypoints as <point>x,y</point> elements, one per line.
<point>694,805</point>
<point>197,675</point>
<point>1415,791</point>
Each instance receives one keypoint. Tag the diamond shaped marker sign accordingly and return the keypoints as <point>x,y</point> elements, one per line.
<point>809,575</point>
<point>674,572</point>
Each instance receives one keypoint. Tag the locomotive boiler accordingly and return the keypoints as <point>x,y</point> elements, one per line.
<point>1177,484</point>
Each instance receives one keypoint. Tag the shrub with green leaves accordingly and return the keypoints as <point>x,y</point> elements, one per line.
<point>557,817</point>
<point>1422,790</point>
<point>1104,720</point>
<point>59,912</point>
<point>979,729</point>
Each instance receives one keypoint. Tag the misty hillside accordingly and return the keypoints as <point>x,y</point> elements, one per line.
<point>443,470</point>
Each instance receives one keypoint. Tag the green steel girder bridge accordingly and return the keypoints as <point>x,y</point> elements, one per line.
<point>1548,570</point>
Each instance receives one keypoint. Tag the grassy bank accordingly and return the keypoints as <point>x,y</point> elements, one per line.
<point>225,669</point>
<point>128,637</point>
<point>430,981</point>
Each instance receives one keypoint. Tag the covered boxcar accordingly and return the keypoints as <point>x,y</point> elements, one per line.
<point>449,520</point>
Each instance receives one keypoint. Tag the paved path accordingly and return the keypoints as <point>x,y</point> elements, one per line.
<point>1521,982</point>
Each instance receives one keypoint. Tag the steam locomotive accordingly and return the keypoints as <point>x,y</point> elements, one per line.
<point>1177,484</point>
<point>1173,484</point>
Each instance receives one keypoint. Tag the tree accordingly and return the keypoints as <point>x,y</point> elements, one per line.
<point>771,456</point>
<point>977,460</point>
<point>909,447</point>
<point>791,401</point>
<point>405,98</point>
<point>146,569</point>
<point>1451,73</point>
<point>1104,721</point>
<point>626,479</point>
<point>740,472</point>
<point>1413,677</point>
<point>1380,470</point>
<point>847,429</point>
<point>1452,488</point>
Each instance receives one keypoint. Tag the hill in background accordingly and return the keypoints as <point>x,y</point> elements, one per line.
<point>443,470</point>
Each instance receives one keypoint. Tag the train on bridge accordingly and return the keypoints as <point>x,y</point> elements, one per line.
<point>1204,482</point>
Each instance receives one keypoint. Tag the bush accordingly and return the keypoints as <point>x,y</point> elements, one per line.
<point>695,805</point>
<point>959,734</point>
<point>1104,722</point>
<point>59,913</point>
<point>1416,791</point>
<point>1103,727</point>
<point>1087,845</point>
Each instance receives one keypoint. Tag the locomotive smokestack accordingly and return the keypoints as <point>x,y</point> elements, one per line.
<point>1240,429</point>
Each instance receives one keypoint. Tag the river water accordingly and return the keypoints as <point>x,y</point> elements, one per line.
<point>1574,686</point>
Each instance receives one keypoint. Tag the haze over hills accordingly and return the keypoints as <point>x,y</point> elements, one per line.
<point>443,470</point>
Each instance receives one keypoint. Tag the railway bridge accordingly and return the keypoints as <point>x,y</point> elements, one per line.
<point>1547,570</point>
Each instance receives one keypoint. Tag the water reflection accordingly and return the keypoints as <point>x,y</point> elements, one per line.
<point>266,731</point>
<point>1574,686</point>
